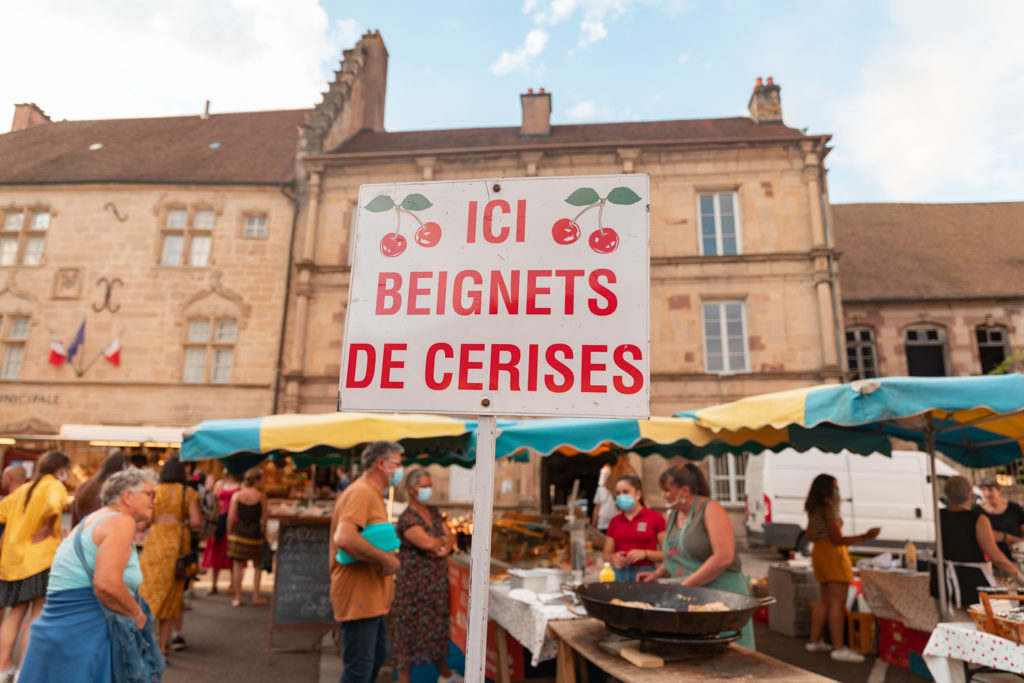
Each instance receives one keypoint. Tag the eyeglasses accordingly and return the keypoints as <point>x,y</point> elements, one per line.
<point>151,494</point>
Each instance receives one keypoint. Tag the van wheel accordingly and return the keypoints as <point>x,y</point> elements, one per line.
<point>803,545</point>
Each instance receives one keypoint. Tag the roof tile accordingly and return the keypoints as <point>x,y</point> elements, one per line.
<point>930,251</point>
<point>255,147</point>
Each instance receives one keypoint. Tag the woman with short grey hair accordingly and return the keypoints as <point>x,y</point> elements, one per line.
<point>131,480</point>
<point>966,541</point>
<point>95,621</point>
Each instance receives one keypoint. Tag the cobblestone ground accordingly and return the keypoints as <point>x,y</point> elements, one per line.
<point>227,644</point>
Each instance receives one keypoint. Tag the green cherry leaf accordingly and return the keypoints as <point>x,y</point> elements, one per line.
<point>584,196</point>
<point>416,202</point>
<point>623,195</point>
<point>380,203</point>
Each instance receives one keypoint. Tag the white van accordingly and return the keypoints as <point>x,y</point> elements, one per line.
<point>893,493</point>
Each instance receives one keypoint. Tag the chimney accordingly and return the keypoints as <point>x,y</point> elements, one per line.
<point>206,111</point>
<point>536,114</point>
<point>28,115</point>
<point>354,101</point>
<point>765,105</point>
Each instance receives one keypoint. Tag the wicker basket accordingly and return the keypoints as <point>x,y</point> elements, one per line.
<point>989,622</point>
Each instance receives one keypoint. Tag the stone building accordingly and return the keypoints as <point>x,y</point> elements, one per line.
<point>931,289</point>
<point>164,239</point>
<point>216,248</point>
<point>743,296</point>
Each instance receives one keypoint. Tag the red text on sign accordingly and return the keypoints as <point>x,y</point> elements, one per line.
<point>472,292</point>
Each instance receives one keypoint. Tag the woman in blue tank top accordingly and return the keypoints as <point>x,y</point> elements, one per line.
<point>95,626</point>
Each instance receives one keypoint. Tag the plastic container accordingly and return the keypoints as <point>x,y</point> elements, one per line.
<point>910,556</point>
<point>607,574</point>
<point>381,536</point>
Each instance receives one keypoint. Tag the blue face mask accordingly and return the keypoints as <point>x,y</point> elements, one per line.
<point>625,502</point>
<point>396,476</point>
<point>424,494</point>
<point>835,494</point>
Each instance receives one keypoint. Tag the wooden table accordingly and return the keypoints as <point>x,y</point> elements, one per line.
<point>731,663</point>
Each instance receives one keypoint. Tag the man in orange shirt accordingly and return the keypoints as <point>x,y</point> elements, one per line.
<point>361,592</point>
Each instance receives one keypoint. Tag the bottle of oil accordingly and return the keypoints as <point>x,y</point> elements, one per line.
<point>607,574</point>
<point>910,556</point>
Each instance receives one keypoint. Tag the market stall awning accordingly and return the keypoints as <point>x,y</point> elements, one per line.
<point>329,438</point>
<point>120,434</point>
<point>666,436</point>
<point>977,421</point>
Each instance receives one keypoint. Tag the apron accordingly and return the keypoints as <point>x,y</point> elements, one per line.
<point>680,564</point>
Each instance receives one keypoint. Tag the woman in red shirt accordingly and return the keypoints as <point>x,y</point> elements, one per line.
<point>634,535</point>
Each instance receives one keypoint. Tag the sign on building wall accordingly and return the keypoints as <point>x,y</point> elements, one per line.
<point>524,296</point>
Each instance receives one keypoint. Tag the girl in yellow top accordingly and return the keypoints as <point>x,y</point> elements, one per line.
<point>32,534</point>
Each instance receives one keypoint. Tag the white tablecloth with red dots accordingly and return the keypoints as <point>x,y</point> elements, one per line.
<point>953,643</point>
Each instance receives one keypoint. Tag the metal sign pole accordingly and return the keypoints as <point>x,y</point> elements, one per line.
<point>940,560</point>
<point>480,556</point>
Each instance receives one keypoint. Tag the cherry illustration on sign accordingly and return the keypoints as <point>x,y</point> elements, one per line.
<point>394,243</point>
<point>603,240</point>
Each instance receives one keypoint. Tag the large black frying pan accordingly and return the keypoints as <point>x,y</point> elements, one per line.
<point>670,613</point>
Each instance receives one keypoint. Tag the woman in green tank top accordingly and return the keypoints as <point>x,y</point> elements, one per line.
<point>699,548</point>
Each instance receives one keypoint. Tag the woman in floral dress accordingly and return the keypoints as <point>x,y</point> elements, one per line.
<point>418,624</point>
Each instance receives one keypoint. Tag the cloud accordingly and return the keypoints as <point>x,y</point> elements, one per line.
<point>521,57</point>
<point>684,58</point>
<point>588,110</point>
<point>591,32</point>
<point>596,15</point>
<point>123,58</point>
<point>935,104</point>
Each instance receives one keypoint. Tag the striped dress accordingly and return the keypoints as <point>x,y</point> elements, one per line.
<point>245,542</point>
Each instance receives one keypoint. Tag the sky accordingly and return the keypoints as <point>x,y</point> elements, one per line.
<point>923,98</point>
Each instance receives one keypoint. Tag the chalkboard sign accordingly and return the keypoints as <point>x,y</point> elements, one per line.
<point>302,580</point>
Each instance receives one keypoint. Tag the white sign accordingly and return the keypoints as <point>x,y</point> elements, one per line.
<point>521,296</point>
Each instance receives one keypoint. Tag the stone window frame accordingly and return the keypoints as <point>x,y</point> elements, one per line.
<point>935,335</point>
<point>13,343</point>
<point>189,233</point>
<point>987,329</point>
<point>721,303</point>
<point>246,215</point>
<point>716,194</point>
<point>27,233</point>
<point>213,348</point>
<point>858,348</point>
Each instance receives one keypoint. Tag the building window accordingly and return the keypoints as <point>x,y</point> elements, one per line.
<point>14,336</point>
<point>719,224</point>
<point>725,337</point>
<point>728,474</point>
<point>255,226</point>
<point>992,346</point>
<point>214,342</point>
<point>21,242</point>
<point>183,238</point>
<point>861,357</point>
<point>926,351</point>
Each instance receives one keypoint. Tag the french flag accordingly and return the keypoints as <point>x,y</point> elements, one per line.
<point>112,352</point>
<point>77,342</point>
<point>57,352</point>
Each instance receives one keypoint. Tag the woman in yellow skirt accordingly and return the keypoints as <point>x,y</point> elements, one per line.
<point>832,569</point>
<point>175,508</point>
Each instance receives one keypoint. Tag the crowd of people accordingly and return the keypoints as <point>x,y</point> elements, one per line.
<point>109,597</point>
<point>106,601</point>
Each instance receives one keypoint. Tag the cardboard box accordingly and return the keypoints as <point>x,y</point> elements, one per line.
<point>794,590</point>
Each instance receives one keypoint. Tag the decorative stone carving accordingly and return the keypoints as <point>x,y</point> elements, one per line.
<point>216,301</point>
